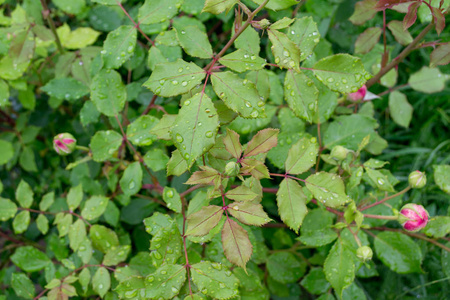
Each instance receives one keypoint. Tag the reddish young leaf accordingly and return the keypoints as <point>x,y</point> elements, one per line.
<point>201,222</point>
<point>249,213</point>
<point>411,16</point>
<point>262,142</point>
<point>439,19</point>
<point>255,167</point>
<point>208,176</point>
<point>364,11</point>
<point>236,244</point>
<point>232,144</point>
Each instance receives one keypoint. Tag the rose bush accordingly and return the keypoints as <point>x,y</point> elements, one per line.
<point>211,149</point>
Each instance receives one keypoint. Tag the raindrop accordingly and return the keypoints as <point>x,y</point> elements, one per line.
<point>131,185</point>
<point>209,134</point>
<point>179,138</point>
<point>174,82</point>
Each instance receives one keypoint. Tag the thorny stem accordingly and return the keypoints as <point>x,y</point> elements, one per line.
<point>400,57</point>
<point>46,15</point>
<point>386,199</point>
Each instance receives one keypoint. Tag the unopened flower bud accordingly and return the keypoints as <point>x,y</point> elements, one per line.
<point>262,24</point>
<point>232,169</point>
<point>413,217</point>
<point>417,179</point>
<point>364,253</point>
<point>64,143</point>
<point>358,95</point>
<point>339,152</point>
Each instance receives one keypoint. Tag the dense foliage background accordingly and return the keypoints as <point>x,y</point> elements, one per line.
<point>221,149</point>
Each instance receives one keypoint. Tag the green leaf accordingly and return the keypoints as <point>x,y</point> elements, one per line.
<point>380,180</point>
<point>24,194</point>
<point>215,280</point>
<point>262,142</point>
<point>339,267</point>
<point>291,203</point>
<point>364,11</point>
<point>367,40</point>
<point>341,73</point>
<point>89,113</point>
<point>194,41</point>
<point>282,23</point>
<point>30,259</point>
<point>77,234</point>
<point>116,255</point>
<point>302,156</point>
<point>27,160</point>
<point>286,52</point>
<point>232,144</point>
<point>248,41</point>
<point>162,129</point>
<point>400,109</point>
<point>428,80</point>
<point>4,94</point>
<point>21,222</point>
<point>85,251</point>
<point>239,95</point>
<point>236,244</point>
<point>131,181</point>
<point>74,196</point>
<point>138,132</point>
<point>241,193</point>
<point>63,222</point>
<point>277,4</point>
<point>101,282</point>
<point>218,6</point>
<point>315,282</point>
<point>84,277</point>
<point>399,252</point>
<point>401,35</point>
<point>166,282</point>
<point>73,7</point>
<point>94,207</point>
<point>242,61</point>
<point>22,285</point>
<point>441,175</point>
<point>301,95</point>
<point>47,201</point>
<point>156,11</point>
<point>177,165</point>
<point>104,144</point>
<point>195,127</point>
<point>249,213</point>
<point>156,159</point>
<point>305,35</point>
<point>445,259</point>
<point>108,2</point>
<point>6,152</point>
<point>68,89</point>
<point>174,78</point>
<point>316,230</point>
<point>172,198</point>
<point>108,92</point>
<point>438,227</point>
<point>348,131</point>
<point>77,39</point>
<point>8,209</point>
<point>201,222</point>
<point>11,71</point>
<point>166,246</point>
<point>103,238</point>
<point>42,223</point>
<point>285,268</point>
<point>119,46</point>
<point>156,222</point>
<point>327,188</point>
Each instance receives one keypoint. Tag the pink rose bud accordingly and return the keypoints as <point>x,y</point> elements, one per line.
<point>417,180</point>
<point>413,217</point>
<point>64,143</point>
<point>359,95</point>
